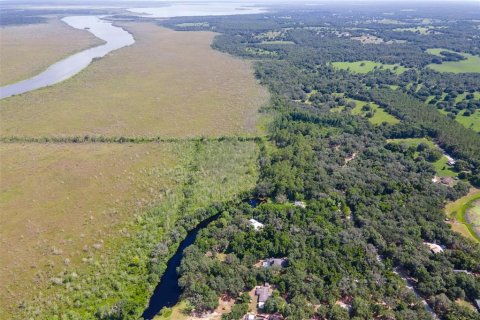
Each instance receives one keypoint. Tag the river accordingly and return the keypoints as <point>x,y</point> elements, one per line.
<point>114,37</point>
<point>167,293</point>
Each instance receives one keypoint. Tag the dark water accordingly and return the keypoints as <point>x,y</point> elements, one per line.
<point>114,37</point>
<point>167,293</point>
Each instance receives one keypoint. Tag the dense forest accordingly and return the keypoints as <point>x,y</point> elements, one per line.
<point>369,209</point>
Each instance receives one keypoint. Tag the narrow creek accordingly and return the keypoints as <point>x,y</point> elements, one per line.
<point>114,37</point>
<point>167,293</point>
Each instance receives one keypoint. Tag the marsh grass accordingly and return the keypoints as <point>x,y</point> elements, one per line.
<point>203,172</point>
<point>168,83</point>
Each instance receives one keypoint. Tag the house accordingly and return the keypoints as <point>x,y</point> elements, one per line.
<point>255,224</point>
<point>263,294</point>
<point>450,160</point>
<point>274,262</point>
<point>300,204</point>
<point>435,248</point>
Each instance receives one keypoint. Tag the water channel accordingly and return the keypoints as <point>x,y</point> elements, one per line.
<point>114,37</point>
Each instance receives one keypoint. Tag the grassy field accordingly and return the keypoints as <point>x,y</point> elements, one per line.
<point>379,116</point>
<point>420,30</point>
<point>471,122</point>
<point>57,199</point>
<point>471,64</point>
<point>441,166</point>
<point>366,66</point>
<point>413,142</point>
<point>185,89</point>
<point>29,49</point>
<point>77,214</point>
<point>465,213</point>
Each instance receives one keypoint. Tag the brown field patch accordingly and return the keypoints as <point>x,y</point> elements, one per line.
<point>168,83</point>
<point>61,201</point>
<point>29,49</point>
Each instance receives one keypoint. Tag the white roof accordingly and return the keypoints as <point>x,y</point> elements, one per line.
<point>256,224</point>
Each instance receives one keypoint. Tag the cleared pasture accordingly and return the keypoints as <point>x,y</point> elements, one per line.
<point>470,65</point>
<point>441,166</point>
<point>380,116</point>
<point>471,122</point>
<point>29,49</point>
<point>168,83</point>
<point>366,66</point>
<point>465,213</point>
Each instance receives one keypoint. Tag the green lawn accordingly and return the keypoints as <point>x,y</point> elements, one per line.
<point>441,166</point>
<point>380,115</point>
<point>443,169</point>
<point>470,65</point>
<point>366,66</point>
<point>412,142</point>
<point>467,208</point>
<point>471,122</point>
<point>421,30</point>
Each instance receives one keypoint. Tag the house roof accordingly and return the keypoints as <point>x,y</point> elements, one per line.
<point>435,248</point>
<point>263,293</point>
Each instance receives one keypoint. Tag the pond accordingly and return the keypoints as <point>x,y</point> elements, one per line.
<point>114,37</point>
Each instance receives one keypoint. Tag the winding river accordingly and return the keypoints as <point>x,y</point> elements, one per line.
<point>114,37</point>
<point>167,293</point>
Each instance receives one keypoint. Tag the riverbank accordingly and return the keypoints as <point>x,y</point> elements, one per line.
<point>456,211</point>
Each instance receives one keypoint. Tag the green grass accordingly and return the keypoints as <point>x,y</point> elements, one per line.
<point>460,209</point>
<point>366,66</point>
<point>443,169</point>
<point>380,115</point>
<point>441,166</point>
<point>422,30</point>
<point>412,142</point>
<point>470,65</point>
<point>470,122</point>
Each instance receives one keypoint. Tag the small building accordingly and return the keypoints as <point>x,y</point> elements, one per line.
<point>450,160</point>
<point>300,204</point>
<point>256,224</point>
<point>274,262</point>
<point>435,248</point>
<point>477,304</point>
<point>263,293</point>
<point>249,317</point>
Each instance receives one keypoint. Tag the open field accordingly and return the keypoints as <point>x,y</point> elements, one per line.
<point>441,166</point>
<point>68,208</point>
<point>173,84</point>
<point>471,64</point>
<point>366,66</point>
<point>57,200</point>
<point>29,49</point>
<point>466,210</point>
<point>379,116</point>
<point>471,122</point>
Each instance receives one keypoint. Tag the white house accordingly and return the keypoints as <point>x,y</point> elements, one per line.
<point>256,224</point>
